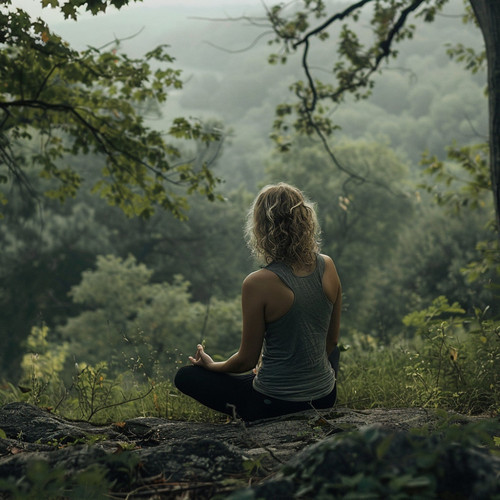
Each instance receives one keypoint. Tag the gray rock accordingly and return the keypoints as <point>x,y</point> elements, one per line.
<point>170,459</point>
<point>30,424</point>
<point>376,462</point>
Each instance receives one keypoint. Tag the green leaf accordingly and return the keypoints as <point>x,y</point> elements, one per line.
<point>384,446</point>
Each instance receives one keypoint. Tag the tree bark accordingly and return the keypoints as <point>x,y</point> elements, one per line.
<point>488,15</point>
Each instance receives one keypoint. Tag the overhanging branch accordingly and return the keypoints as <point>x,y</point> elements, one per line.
<point>336,17</point>
<point>105,142</point>
<point>365,73</point>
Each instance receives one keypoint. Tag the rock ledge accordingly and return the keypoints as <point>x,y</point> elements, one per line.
<point>169,459</point>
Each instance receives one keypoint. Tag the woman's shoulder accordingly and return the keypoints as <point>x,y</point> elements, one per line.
<point>262,280</point>
<point>330,269</point>
<point>328,260</point>
<point>260,284</point>
<point>260,277</point>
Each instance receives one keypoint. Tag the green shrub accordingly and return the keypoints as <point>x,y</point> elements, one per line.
<point>452,362</point>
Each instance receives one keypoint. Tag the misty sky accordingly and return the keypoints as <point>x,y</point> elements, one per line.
<point>218,7</point>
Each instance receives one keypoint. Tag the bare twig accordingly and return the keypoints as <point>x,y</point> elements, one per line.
<point>112,405</point>
<point>117,41</point>
<point>245,49</point>
<point>249,435</point>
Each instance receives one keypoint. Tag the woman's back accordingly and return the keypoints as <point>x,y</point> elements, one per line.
<point>294,362</point>
<point>277,296</point>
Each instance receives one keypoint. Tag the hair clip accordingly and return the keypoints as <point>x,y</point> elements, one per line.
<point>297,205</point>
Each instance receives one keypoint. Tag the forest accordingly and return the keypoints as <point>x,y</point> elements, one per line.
<point>100,303</point>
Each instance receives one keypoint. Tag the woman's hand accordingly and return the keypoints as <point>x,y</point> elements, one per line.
<point>201,358</point>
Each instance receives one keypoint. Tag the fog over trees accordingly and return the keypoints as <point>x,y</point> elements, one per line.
<point>423,100</point>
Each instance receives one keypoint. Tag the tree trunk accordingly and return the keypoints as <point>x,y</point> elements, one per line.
<point>488,15</point>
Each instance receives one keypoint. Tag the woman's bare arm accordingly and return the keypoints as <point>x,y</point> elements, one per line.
<point>252,337</point>
<point>333,290</point>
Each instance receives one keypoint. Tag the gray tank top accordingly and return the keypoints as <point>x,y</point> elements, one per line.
<point>295,365</point>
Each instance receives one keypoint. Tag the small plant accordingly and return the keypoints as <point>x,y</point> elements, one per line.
<point>457,360</point>
<point>452,362</point>
<point>44,481</point>
<point>41,367</point>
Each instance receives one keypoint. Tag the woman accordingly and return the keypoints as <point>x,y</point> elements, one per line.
<point>291,313</point>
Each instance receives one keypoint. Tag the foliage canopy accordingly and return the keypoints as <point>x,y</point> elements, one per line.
<point>57,102</point>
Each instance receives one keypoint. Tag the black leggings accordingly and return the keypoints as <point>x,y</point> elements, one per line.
<point>234,394</point>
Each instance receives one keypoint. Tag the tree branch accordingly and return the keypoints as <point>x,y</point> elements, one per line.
<point>7,157</point>
<point>384,45</point>
<point>113,405</point>
<point>117,41</point>
<point>46,79</point>
<point>105,142</point>
<point>250,46</point>
<point>336,17</point>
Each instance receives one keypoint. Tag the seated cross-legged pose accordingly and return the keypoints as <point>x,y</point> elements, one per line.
<point>291,320</point>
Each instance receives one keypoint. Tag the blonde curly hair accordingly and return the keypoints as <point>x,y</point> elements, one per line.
<point>282,226</point>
